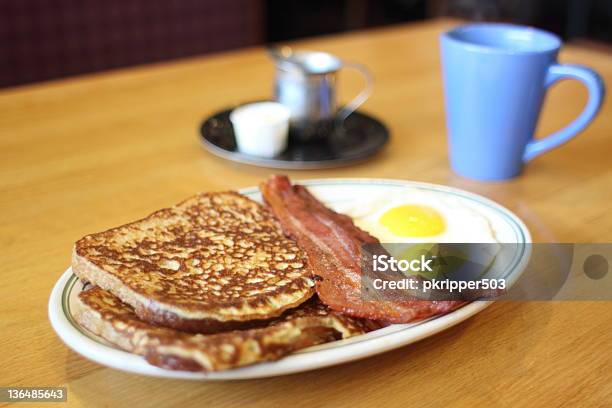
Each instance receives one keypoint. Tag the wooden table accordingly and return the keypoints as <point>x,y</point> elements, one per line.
<point>85,154</point>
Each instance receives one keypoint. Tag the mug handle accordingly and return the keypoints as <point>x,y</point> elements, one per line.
<point>361,96</point>
<point>596,88</point>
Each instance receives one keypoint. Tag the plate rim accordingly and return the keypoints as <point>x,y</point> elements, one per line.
<point>80,342</point>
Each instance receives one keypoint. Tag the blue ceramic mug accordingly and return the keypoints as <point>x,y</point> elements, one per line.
<point>495,79</point>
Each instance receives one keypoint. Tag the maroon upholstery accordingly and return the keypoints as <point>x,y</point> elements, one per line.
<point>43,39</point>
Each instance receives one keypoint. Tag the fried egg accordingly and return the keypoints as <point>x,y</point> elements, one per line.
<point>417,216</point>
<point>416,221</point>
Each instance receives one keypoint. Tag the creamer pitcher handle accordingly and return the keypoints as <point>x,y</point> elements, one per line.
<point>363,96</point>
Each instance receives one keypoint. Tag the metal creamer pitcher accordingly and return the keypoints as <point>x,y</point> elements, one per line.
<point>306,83</point>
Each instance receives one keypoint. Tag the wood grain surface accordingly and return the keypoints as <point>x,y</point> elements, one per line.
<point>85,154</point>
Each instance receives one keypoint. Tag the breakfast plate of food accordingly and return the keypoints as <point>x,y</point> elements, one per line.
<point>266,281</point>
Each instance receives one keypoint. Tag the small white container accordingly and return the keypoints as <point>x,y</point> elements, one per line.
<point>261,128</point>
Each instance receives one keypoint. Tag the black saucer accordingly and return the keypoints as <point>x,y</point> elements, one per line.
<point>361,137</point>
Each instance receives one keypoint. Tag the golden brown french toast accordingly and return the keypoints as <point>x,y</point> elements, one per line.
<point>311,323</point>
<point>214,262</point>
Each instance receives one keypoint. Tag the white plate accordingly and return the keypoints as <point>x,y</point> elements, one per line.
<point>334,192</point>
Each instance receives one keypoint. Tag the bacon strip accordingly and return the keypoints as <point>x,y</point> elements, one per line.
<point>333,245</point>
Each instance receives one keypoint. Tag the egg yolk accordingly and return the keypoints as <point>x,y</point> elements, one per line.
<point>413,221</point>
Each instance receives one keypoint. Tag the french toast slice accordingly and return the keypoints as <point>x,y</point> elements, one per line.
<point>215,262</point>
<point>311,323</point>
